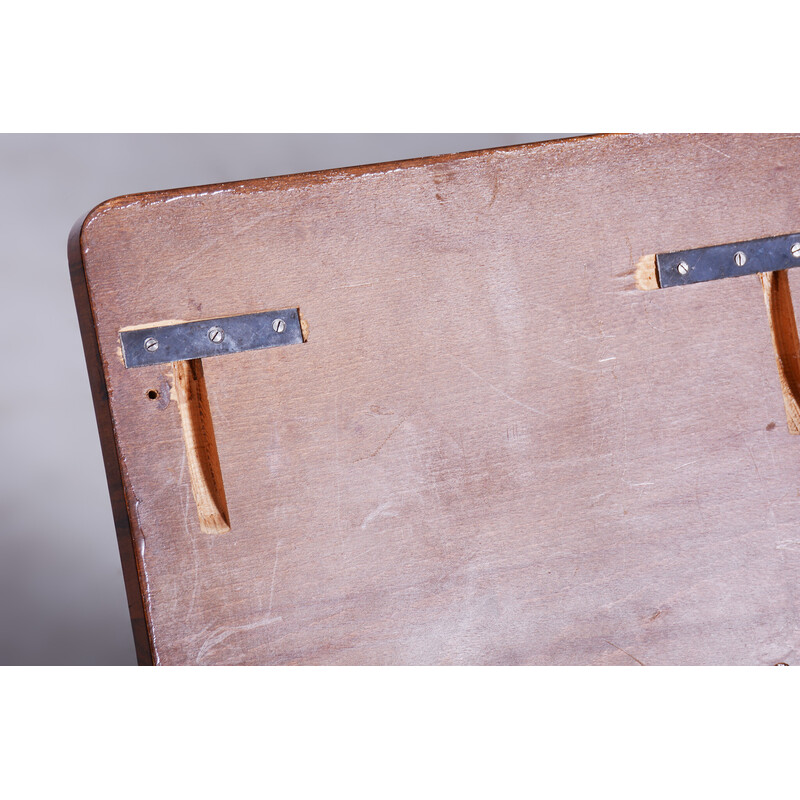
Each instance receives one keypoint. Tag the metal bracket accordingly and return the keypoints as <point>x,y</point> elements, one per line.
<point>161,344</point>
<point>728,260</point>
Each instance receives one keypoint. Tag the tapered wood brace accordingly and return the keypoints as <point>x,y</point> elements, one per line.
<point>783,326</point>
<point>185,344</point>
<point>769,259</point>
<point>202,457</point>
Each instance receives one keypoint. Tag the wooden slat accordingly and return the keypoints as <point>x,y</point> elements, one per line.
<point>493,448</point>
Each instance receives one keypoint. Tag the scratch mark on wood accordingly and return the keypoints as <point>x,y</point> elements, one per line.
<point>187,504</point>
<point>218,638</point>
<point>147,595</point>
<point>624,651</point>
<point>272,585</point>
<point>568,366</point>
<point>709,147</point>
<point>788,544</point>
<point>752,458</point>
<point>380,446</point>
<point>380,511</point>
<point>501,392</point>
<point>352,286</point>
<point>338,477</point>
<point>494,190</point>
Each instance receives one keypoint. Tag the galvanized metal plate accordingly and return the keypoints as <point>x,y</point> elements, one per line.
<point>160,344</point>
<point>728,260</point>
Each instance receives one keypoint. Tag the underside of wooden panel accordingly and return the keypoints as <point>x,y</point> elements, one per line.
<point>493,448</point>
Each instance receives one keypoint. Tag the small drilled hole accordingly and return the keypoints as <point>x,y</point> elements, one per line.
<point>153,394</point>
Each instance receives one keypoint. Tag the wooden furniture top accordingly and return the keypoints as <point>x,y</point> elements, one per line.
<point>493,448</point>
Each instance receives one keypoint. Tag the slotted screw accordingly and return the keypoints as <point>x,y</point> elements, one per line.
<point>796,249</point>
<point>683,268</point>
<point>151,344</point>
<point>279,326</point>
<point>216,334</point>
<point>740,259</point>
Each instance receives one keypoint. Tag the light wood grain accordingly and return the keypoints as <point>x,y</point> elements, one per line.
<point>646,275</point>
<point>493,449</point>
<point>783,327</point>
<point>202,458</point>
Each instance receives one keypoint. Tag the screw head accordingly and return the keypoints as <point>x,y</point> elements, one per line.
<point>739,258</point>
<point>216,334</point>
<point>683,268</point>
<point>278,325</point>
<point>150,344</point>
<point>796,249</point>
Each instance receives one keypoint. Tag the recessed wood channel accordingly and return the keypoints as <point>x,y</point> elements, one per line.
<point>201,446</point>
<point>184,344</point>
<point>783,326</point>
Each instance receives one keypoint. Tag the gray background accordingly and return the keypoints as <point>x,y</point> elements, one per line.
<point>62,599</point>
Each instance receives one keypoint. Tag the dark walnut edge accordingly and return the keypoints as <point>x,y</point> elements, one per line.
<point>134,587</point>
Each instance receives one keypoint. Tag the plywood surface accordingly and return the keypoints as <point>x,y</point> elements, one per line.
<point>493,448</point>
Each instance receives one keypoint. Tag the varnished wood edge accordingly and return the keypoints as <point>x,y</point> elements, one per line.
<point>303,179</point>
<point>134,586</point>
